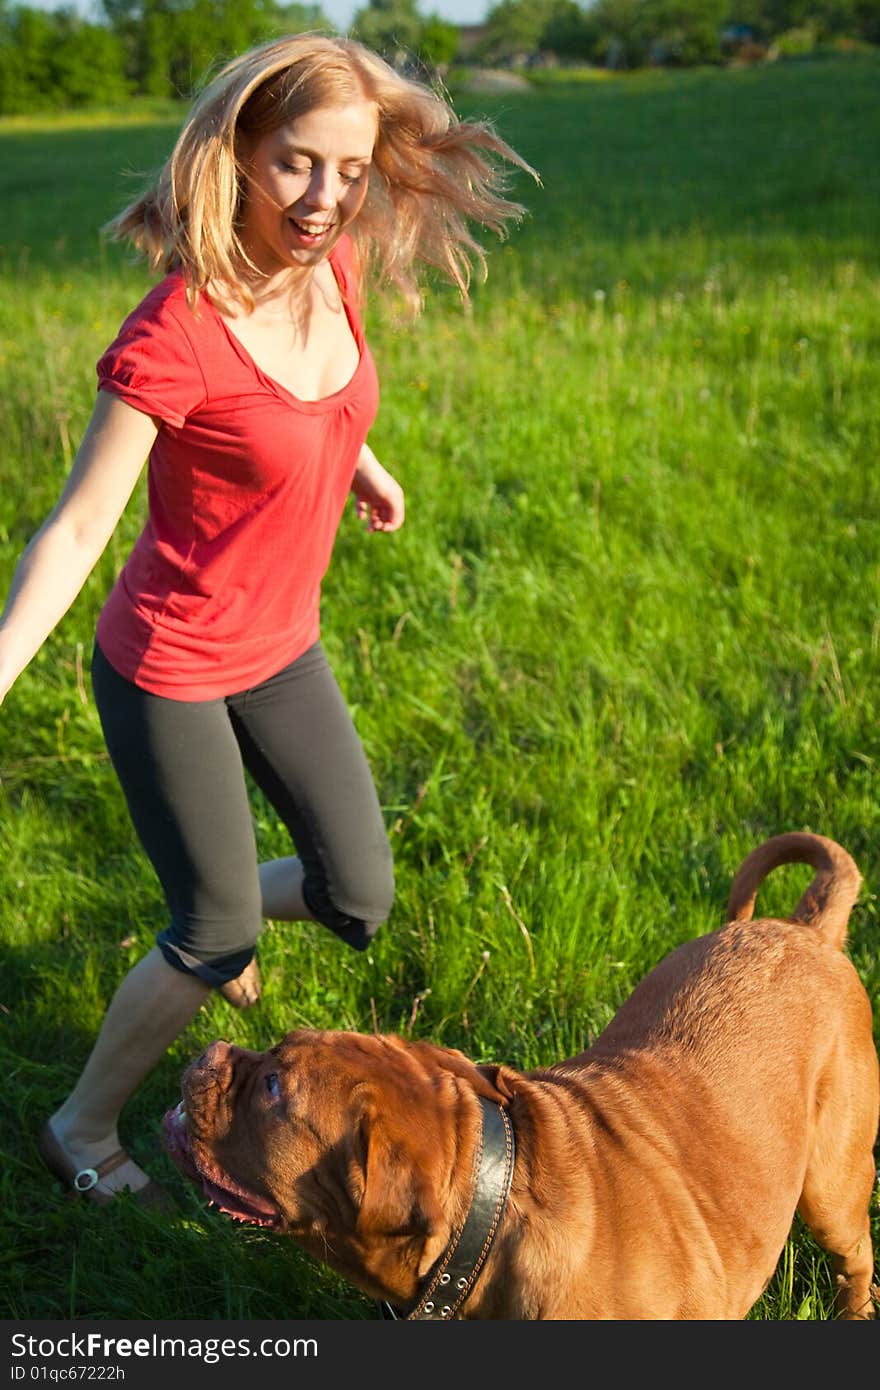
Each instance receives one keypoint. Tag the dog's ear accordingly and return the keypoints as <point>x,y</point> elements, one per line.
<point>488,1081</point>
<point>399,1206</point>
<point>501,1080</point>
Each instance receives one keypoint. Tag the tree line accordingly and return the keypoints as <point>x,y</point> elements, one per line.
<point>165,48</point>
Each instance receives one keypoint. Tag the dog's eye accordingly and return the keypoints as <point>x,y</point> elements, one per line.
<point>272,1084</point>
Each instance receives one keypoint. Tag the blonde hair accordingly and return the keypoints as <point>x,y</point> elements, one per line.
<point>432,174</point>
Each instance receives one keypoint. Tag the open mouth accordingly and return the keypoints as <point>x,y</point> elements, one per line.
<point>218,1187</point>
<point>310,232</point>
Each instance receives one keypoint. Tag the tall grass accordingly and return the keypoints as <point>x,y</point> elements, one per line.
<point>630,629</point>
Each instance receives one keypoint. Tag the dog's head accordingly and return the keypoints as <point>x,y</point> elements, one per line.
<point>359,1146</point>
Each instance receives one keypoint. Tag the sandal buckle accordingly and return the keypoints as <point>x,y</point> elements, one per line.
<point>85,1180</point>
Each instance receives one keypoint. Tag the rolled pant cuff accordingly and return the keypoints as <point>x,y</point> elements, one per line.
<point>215,974</point>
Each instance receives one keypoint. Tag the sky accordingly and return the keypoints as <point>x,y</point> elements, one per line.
<point>339,12</point>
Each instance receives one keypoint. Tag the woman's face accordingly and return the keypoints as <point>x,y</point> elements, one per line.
<point>305,183</point>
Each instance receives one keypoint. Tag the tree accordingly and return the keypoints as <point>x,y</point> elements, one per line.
<point>515,27</point>
<point>622,42</point>
<point>635,32</point>
<point>172,44</point>
<point>684,31</point>
<point>391,28</point>
<point>570,31</point>
<point>438,41</point>
<point>88,64</point>
<point>25,48</point>
<point>302,19</point>
<point>867,19</point>
<point>396,30</point>
<point>57,60</point>
<point>770,18</point>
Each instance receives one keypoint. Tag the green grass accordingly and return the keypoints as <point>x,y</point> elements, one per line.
<point>630,629</point>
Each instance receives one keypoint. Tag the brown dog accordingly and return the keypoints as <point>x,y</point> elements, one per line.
<point>655,1175</point>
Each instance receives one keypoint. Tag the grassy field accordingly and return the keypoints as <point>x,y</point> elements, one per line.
<point>630,629</point>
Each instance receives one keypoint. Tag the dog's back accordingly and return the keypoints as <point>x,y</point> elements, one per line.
<point>746,1060</point>
<point>752,973</point>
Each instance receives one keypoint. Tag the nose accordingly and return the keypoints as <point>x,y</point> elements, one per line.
<point>321,192</point>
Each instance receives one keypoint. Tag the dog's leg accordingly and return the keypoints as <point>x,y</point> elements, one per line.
<point>857,1294</point>
<point>853,1276</point>
<point>838,1221</point>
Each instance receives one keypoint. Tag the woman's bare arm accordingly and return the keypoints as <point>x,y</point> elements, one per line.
<point>62,554</point>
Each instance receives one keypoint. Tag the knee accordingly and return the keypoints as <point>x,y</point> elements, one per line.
<point>356,914</point>
<point>213,945</point>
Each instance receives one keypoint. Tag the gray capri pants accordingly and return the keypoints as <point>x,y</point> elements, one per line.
<point>182,765</point>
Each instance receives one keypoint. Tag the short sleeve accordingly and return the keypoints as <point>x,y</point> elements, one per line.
<point>152,364</point>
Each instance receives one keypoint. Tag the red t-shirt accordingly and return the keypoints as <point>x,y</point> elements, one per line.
<point>247,485</point>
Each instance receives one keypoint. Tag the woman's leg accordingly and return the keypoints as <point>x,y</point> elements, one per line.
<point>181,772</point>
<point>299,743</point>
<point>180,768</point>
<point>149,1010</point>
<point>281,886</point>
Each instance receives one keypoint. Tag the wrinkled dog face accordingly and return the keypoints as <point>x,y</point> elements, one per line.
<point>337,1139</point>
<point>256,1129</point>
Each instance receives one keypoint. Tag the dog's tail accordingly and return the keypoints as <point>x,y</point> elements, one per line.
<point>827,902</point>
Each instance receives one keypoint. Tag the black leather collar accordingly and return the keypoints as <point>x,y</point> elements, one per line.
<point>450,1282</point>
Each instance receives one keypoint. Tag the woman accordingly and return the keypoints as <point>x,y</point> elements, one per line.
<point>244,376</point>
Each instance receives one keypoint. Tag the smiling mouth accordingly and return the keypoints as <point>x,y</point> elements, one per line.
<point>313,233</point>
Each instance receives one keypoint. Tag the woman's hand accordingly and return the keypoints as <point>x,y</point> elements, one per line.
<point>378,496</point>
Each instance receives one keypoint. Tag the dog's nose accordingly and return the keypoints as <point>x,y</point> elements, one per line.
<point>216,1068</point>
<point>214,1056</point>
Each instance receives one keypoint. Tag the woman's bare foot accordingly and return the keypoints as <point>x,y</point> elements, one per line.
<point>246,989</point>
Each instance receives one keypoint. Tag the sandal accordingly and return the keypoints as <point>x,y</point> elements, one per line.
<point>84,1181</point>
<point>246,989</point>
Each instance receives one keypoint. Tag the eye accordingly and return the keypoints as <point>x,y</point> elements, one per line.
<point>350,176</point>
<point>272,1085</point>
<point>301,169</point>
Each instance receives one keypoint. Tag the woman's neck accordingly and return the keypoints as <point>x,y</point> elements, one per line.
<point>286,294</point>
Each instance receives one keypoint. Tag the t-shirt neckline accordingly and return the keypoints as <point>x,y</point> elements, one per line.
<point>323,402</point>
